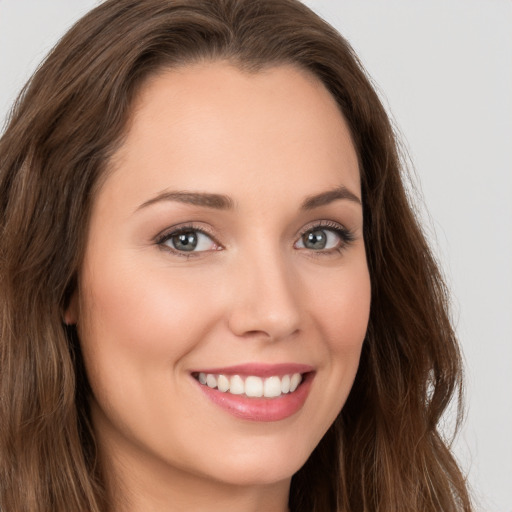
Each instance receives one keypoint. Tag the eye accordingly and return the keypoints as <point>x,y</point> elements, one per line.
<point>324,238</point>
<point>188,240</point>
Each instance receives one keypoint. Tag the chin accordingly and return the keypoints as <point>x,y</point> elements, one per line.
<point>264,464</point>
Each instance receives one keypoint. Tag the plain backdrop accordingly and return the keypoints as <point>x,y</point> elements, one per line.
<point>444,70</point>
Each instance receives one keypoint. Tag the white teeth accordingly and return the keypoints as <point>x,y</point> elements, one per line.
<point>272,387</point>
<point>285,384</point>
<point>211,381</point>
<point>252,386</point>
<point>223,383</point>
<point>236,386</point>
<point>295,381</point>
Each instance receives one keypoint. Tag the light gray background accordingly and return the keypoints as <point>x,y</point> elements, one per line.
<point>444,69</point>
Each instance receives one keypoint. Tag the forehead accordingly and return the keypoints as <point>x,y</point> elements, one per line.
<point>214,127</point>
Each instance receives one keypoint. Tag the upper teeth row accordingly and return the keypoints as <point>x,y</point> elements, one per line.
<point>252,386</point>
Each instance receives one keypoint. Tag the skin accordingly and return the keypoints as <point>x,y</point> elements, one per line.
<point>148,316</point>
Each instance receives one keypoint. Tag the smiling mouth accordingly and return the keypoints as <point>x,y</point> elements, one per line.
<point>251,386</point>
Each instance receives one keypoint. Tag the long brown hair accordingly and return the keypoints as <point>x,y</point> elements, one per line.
<point>384,452</point>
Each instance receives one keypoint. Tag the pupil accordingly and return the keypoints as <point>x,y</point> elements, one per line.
<point>185,241</point>
<point>315,240</point>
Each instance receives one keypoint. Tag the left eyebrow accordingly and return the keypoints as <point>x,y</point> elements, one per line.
<point>328,197</point>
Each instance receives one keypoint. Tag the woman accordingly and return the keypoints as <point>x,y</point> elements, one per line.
<point>214,291</point>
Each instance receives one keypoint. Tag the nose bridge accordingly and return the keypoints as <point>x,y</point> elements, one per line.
<point>265,301</point>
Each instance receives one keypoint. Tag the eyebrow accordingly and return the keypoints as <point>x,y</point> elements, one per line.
<point>328,197</point>
<point>207,200</point>
<point>223,202</point>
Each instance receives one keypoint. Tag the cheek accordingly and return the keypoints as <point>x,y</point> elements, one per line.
<point>342,314</point>
<point>139,311</point>
<point>346,318</point>
<point>136,329</point>
<point>341,301</point>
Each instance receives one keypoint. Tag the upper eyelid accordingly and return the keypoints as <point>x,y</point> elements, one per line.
<point>180,228</point>
<point>325,224</point>
<point>193,227</point>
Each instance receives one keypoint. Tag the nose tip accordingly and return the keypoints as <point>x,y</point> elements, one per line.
<point>265,304</point>
<point>252,322</point>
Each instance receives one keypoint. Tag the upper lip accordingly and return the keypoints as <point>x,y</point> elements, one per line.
<point>259,369</point>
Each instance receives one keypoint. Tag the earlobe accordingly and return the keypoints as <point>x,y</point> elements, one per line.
<point>70,315</point>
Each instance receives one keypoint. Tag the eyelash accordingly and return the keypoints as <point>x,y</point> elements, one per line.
<point>167,235</point>
<point>345,235</point>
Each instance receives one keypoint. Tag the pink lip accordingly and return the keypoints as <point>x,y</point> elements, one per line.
<point>259,370</point>
<point>261,409</point>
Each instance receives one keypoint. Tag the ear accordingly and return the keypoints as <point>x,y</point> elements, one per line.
<point>70,316</point>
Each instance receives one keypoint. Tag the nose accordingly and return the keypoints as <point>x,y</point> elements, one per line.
<point>264,300</point>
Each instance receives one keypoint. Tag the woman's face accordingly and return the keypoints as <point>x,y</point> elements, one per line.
<point>226,247</point>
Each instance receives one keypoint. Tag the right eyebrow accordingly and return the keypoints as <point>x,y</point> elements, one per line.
<point>207,200</point>
<point>330,196</point>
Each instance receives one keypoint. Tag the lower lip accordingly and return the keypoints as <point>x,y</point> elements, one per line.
<point>261,409</point>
